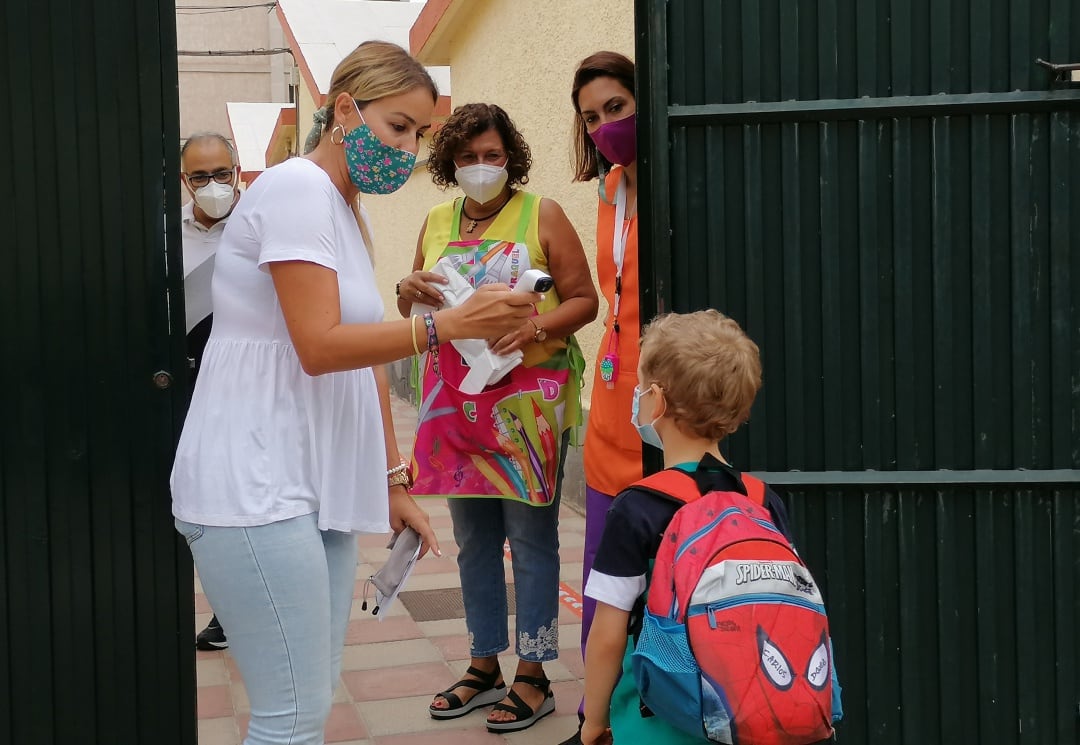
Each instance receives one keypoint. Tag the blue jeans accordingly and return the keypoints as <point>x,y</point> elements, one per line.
<point>283,593</point>
<point>480,528</point>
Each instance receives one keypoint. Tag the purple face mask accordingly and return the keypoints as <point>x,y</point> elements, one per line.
<point>617,141</point>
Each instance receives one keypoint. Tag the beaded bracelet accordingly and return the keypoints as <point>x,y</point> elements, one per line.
<point>432,341</point>
<point>399,476</point>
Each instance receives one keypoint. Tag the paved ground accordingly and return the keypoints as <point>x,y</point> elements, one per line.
<point>392,667</point>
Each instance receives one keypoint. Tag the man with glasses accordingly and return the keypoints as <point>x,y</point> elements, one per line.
<point>211,176</point>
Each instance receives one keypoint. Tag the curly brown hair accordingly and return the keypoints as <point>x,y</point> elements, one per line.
<point>708,369</point>
<point>463,125</point>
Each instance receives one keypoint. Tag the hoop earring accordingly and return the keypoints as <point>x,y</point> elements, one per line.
<point>337,130</point>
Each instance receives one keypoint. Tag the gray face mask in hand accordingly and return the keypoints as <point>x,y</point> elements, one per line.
<point>404,550</point>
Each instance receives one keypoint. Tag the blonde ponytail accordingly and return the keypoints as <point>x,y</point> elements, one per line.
<point>312,140</point>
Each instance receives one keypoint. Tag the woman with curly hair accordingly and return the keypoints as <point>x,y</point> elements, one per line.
<point>499,454</point>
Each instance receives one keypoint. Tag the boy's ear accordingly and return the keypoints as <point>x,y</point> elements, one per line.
<point>660,410</point>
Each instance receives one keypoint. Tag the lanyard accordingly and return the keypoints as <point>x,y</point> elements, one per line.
<point>618,247</point>
<point>609,365</point>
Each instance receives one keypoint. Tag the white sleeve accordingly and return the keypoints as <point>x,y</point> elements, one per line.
<point>295,222</point>
<point>618,592</point>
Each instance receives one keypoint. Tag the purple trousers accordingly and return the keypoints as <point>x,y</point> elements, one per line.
<point>596,507</point>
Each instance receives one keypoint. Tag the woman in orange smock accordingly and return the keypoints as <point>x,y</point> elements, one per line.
<point>605,148</point>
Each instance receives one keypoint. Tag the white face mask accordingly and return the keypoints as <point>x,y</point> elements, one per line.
<point>481,182</point>
<point>215,199</point>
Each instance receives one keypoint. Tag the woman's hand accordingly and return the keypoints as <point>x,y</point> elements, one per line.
<point>422,287</point>
<point>594,734</point>
<point>406,513</point>
<point>491,312</point>
<point>515,340</point>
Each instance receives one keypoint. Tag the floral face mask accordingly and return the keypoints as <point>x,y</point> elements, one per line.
<point>375,167</point>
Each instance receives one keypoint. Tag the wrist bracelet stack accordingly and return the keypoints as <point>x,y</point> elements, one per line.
<point>399,476</point>
<point>432,341</point>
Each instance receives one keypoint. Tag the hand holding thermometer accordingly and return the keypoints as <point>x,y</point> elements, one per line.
<point>534,280</point>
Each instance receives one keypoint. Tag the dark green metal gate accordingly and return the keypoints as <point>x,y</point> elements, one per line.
<point>95,588</point>
<point>886,194</point>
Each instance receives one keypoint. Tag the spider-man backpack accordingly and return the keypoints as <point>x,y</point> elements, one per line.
<point>735,644</point>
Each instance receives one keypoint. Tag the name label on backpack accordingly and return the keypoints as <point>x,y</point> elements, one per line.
<point>732,578</point>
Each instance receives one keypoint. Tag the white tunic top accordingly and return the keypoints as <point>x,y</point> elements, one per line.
<point>263,440</point>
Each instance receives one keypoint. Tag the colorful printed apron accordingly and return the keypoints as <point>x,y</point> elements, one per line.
<point>503,442</point>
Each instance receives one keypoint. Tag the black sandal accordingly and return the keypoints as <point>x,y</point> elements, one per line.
<point>525,717</point>
<point>487,693</point>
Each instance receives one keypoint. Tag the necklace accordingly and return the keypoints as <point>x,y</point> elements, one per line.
<point>473,221</point>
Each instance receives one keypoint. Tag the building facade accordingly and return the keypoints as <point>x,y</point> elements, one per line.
<point>205,29</point>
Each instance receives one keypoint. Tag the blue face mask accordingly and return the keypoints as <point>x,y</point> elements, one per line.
<point>647,432</point>
<point>375,167</point>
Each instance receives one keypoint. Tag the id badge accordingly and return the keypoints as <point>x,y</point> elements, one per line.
<point>609,369</point>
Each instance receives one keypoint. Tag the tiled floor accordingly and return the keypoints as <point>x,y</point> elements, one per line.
<point>392,667</point>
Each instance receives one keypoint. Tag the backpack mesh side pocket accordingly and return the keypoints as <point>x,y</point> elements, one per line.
<point>667,675</point>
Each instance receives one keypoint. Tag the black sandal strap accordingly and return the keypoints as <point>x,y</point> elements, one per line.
<point>488,678</point>
<point>541,683</point>
<point>452,699</point>
<point>486,682</point>
<point>520,709</point>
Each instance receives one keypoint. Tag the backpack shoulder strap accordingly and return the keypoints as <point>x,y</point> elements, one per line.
<point>755,489</point>
<point>681,486</point>
<point>672,483</point>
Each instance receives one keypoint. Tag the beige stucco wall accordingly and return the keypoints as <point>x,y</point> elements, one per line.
<point>205,89</point>
<point>522,56</point>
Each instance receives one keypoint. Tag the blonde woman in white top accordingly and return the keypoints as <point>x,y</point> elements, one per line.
<point>289,432</point>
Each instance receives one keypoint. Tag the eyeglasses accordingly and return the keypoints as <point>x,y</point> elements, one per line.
<point>199,180</point>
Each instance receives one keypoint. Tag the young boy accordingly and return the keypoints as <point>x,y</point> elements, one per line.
<point>697,378</point>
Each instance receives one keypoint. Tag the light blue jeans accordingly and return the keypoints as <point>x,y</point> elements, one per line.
<point>283,593</point>
<point>480,528</point>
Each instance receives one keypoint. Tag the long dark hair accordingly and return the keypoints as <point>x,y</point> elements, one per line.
<point>598,65</point>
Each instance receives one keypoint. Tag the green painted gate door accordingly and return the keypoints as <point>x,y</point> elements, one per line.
<point>96,602</point>
<point>886,194</point>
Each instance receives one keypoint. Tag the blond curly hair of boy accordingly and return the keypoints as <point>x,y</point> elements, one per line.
<point>708,369</point>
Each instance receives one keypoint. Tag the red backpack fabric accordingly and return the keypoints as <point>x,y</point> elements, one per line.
<point>735,644</point>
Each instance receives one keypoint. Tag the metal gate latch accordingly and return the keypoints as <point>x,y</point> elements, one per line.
<point>1068,72</point>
